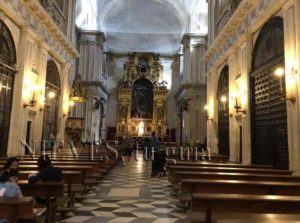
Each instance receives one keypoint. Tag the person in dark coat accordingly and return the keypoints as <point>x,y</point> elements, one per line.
<point>156,146</point>
<point>47,172</point>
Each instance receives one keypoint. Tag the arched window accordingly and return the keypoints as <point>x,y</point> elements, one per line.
<point>51,101</point>
<point>7,76</point>
<point>268,111</point>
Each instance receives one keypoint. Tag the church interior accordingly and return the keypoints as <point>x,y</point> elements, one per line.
<point>147,111</point>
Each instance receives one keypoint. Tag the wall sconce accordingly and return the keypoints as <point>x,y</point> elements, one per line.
<point>224,100</point>
<point>207,117</point>
<point>238,106</point>
<point>279,72</point>
<point>50,96</point>
<point>31,102</point>
<point>66,115</point>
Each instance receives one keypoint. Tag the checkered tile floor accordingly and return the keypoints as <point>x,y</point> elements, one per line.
<point>128,194</point>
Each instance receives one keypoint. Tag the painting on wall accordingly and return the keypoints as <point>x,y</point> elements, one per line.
<point>142,99</point>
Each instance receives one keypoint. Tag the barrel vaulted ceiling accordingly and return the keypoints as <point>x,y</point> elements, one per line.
<point>143,25</point>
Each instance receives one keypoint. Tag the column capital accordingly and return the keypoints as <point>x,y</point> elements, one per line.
<point>195,39</point>
<point>93,37</point>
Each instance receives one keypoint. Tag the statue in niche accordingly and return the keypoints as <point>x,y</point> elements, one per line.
<point>143,65</point>
<point>160,113</point>
<point>142,99</point>
<point>123,112</point>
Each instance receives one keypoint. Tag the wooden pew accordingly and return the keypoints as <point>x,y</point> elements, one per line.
<point>69,177</point>
<point>171,162</point>
<point>46,190</point>
<point>16,208</point>
<point>245,203</point>
<point>189,186</point>
<point>179,175</point>
<point>174,168</point>
<point>191,156</point>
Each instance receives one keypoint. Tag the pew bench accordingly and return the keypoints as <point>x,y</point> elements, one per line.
<point>242,203</point>
<point>179,175</point>
<point>173,168</point>
<point>189,186</point>
<point>46,190</point>
<point>16,208</point>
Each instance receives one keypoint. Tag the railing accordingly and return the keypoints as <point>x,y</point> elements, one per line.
<point>55,12</point>
<point>226,14</point>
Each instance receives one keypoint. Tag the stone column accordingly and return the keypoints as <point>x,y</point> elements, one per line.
<point>234,130</point>
<point>212,111</point>
<point>90,69</point>
<point>245,57</point>
<point>37,125</point>
<point>18,123</point>
<point>193,88</point>
<point>291,16</point>
<point>63,108</point>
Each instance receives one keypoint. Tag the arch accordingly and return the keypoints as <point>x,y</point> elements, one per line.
<point>223,107</point>
<point>52,86</point>
<point>7,76</point>
<point>269,44</point>
<point>142,99</point>
<point>268,111</point>
<point>52,74</point>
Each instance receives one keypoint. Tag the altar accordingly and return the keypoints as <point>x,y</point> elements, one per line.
<point>142,97</point>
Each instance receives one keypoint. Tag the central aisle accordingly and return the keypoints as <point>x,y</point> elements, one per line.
<point>128,194</point>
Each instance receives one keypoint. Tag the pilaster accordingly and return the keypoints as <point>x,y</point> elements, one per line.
<point>90,69</point>
<point>291,17</point>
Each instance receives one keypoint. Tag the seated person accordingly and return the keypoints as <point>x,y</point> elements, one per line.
<point>8,183</point>
<point>10,188</point>
<point>47,172</point>
<point>11,163</point>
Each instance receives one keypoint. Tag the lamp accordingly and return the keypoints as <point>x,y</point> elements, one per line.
<point>279,72</point>
<point>50,96</point>
<point>236,97</point>
<point>207,117</point>
<point>31,91</point>
<point>29,87</point>
<point>71,104</point>
<point>224,100</point>
<point>66,115</point>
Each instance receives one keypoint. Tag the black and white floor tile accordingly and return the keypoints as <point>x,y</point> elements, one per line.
<point>128,195</point>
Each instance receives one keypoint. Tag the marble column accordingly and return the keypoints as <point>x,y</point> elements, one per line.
<point>234,95</point>
<point>19,114</point>
<point>245,58</point>
<point>193,89</point>
<point>90,69</point>
<point>37,125</point>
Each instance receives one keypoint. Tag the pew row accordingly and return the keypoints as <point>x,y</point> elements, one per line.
<point>242,203</point>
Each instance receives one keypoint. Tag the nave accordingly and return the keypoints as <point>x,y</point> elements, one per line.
<point>128,194</point>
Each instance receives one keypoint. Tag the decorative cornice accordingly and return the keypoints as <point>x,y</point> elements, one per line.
<point>98,84</point>
<point>186,86</point>
<point>45,19</point>
<point>235,20</point>
<point>246,20</point>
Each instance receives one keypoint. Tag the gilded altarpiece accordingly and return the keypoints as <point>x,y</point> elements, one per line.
<point>142,97</point>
